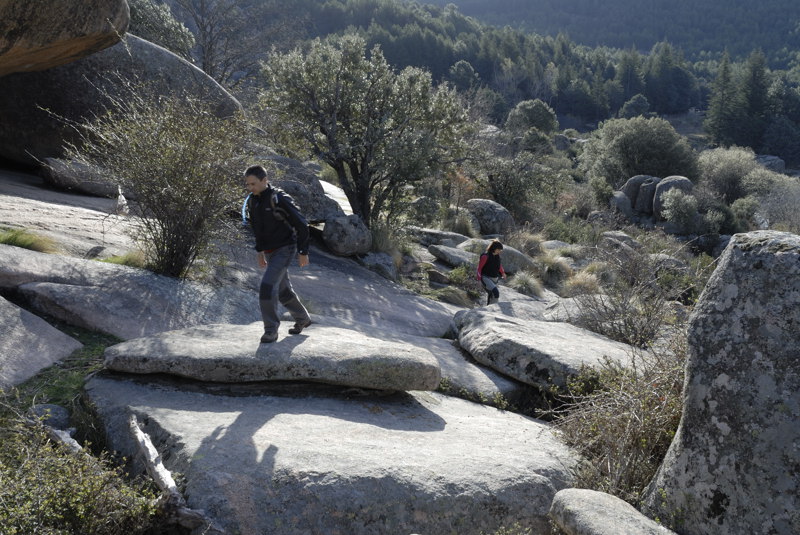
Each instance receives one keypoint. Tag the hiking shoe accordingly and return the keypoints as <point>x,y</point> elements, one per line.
<point>268,338</point>
<point>299,326</point>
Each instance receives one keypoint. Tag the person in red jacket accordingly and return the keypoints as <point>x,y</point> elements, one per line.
<point>490,270</point>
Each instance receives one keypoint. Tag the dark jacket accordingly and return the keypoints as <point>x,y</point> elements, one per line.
<point>489,265</point>
<point>274,230</point>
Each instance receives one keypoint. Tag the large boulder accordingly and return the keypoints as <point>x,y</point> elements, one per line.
<point>671,182</point>
<point>492,216</point>
<point>232,354</point>
<point>39,35</point>
<point>733,465</point>
<point>314,460</point>
<point>28,344</point>
<point>536,352</point>
<point>38,109</point>
<point>588,512</point>
<point>429,236</point>
<point>78,177</point>
<point>310,197</point>
<point>632,185</point>
<point>644,197</point>
<point>453,256</point>
<point>347,235</point>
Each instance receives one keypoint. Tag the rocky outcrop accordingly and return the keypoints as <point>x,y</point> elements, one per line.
<point>28,344</point>
<point>536,352</point>
<point>428,236</point>
<point>232,354</point>
<point>38,109</point>
<point>347,235</point>
<point>588,512</point>
<point>78,177</point>
<point>39,35</point>
<point>492,216</point>
<point>733,465</point>
<point>310,197</point>
<point>453,256</point>
<point>310,460</point>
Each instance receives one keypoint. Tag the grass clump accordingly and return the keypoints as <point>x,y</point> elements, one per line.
<point>526,282</point>
<point>131,258</point>
<point>27,240</point>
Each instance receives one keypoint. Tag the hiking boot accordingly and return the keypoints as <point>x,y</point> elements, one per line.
<point>268,338</point>
<point>299,326</point>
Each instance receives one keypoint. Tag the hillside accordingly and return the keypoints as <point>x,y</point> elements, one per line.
<point>695,27</point>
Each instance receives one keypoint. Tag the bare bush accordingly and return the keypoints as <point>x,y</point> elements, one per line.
<point>181,163</point>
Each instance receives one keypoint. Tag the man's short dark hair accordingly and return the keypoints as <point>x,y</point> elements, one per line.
<point>257,171</point>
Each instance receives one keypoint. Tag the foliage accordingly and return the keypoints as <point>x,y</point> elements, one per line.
<point>635,106</point>
<point>49,489</point>
<point>532,114</point>
<point>723,171</point>
<point>555,270</point>
<point>622,148</point>
<point>525,241</point>
<point>721,120</point>
<point>779,206</point>
<point>583,282</point>
<point>182,164</point>
<point>154,21</point>
<point>379,130</point>
<point>625,424</point>
<point>680,209</point>
<point>27,240</point>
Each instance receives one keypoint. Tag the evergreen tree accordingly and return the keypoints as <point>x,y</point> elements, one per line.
<point>721,118</point>
<point>753,97</point>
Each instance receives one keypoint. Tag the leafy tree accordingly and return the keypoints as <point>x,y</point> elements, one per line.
<point>463,76</point>
<point>637,105</point>
<point>622,148</point>
<point>723,171</point>
<point>532,114</point>
<point>377,129</point>
<point>629,74</point>
<point>154,21</point>
<point>669,86</point>
<point>181,163</point>
<point>782,138</point>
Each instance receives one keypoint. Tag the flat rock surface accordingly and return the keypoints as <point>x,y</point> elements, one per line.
<point>416,462</point>
<point>232,354</point>
<point>28,344</point>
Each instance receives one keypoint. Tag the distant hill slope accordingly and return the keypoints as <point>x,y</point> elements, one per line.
<point>693,25</point>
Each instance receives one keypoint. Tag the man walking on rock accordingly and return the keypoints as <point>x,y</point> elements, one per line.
<point>281,233</point>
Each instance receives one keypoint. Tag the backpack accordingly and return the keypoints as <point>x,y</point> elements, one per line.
<point>281,213</point>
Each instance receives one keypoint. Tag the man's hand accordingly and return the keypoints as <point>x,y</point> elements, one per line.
<point>302,260</point>
<point>262,261</point>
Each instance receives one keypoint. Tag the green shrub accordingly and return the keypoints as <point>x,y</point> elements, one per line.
<point>49,489</point>
<point>622,148</point>
<point>780,206</point>
<point>680,209</point>
<point>525,241</point>
<point>26,240</point>
<point>723,171</point>
<point>555,270</point>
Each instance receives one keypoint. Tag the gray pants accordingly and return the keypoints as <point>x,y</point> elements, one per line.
<point>277,288</point>
<point>490,285</point>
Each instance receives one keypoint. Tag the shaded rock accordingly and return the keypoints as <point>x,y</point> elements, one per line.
<point>732,466</point>
<point>49,102</point>
<point>536,352</point>
<point>310,197</point>
<point>428,236</point>
<point>454,296</point>
<point>382,263</point>
<point>78,177</point>
<point>39,35</point>
<point>315,463</point>
<point>51,415</point>
<point>28,344</point>
<point>119,300</point>
<point>492,217</point>
<point>347,235</point>
<point>671,182</point>
<point>632,185</point>
<point>232,354</point>
<point>437,277</point>
<point>588,512</point>
<point>620,203</point>
<point>453,256</point>
<point>554,245</point>
<point>644,198</point>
